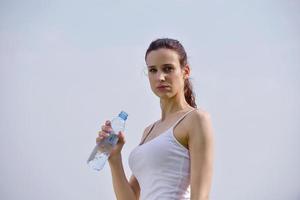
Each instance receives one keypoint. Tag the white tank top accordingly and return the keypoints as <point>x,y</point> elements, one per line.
<point>162,167</point>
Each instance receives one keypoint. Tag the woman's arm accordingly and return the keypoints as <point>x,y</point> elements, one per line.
<point>135,186</point>
<point>123,189</point>
<point>200,140</point>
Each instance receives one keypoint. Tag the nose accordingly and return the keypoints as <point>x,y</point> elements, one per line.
<point>161,76</point>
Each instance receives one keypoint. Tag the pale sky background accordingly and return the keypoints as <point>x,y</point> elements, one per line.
<point>67,66</point>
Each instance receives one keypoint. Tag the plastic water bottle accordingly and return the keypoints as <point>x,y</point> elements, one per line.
<point>101,151</point>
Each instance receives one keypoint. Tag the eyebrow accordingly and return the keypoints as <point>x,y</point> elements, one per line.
<point>164,65</point>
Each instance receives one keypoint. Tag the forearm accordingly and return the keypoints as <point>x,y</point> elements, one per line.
<point>199,198</point>
<point>121,185</point>
<point>202,193</point>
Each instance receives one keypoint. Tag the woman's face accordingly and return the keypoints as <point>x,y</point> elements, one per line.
<point>164,72</point>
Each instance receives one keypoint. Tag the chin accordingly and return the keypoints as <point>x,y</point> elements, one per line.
<point>163,95</point>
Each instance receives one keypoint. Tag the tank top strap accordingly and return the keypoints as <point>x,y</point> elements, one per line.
<point>142,142</point>
<point>153,125</point>
<point>182,117</point>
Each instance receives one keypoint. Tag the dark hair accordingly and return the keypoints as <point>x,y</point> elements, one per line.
<point>175,45</point>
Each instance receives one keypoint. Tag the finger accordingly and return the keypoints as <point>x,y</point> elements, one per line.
<point>121,135</point>
<point>98,139</point>
<point>103,128</point>
<point>107,123</point>
<point>107,129</point>
<point>103,134</point>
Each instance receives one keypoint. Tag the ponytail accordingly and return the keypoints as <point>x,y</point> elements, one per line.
<point>189,94</point>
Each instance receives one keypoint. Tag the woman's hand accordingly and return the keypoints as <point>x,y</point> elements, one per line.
<point>104,133</point>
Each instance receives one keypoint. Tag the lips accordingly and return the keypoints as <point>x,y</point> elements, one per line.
<point>162,86</point>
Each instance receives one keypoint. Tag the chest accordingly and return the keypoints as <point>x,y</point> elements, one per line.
<point>161,153</point>
<point>180,132</point>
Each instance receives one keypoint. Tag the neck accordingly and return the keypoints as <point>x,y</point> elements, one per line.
<point>171,106</point>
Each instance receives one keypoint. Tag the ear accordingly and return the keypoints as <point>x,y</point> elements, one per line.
<point>186,71</point>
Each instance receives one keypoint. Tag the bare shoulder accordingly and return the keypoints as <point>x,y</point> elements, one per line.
<point>199,122</point>
<point>200,115</point>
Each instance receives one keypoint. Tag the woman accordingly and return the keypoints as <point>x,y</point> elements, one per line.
<point>175,157</point>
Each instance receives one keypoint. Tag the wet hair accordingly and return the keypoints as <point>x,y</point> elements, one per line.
<point>176,46</point>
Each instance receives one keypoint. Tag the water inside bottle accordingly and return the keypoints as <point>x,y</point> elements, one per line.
<point>99,161</point>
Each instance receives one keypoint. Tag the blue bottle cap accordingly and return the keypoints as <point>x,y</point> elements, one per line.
<point>123,115</point>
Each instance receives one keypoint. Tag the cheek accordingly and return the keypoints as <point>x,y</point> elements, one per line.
<point>150,79</point>
<point>178,83</point>
<point>151,82</point>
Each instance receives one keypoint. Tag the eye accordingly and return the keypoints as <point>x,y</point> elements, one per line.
<point>152,70</point>
<point>168,69</point>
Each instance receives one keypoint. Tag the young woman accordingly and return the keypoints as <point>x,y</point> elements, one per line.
<point>175,157</point>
